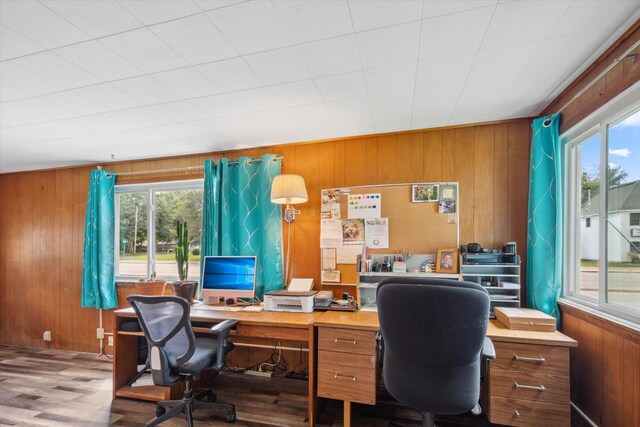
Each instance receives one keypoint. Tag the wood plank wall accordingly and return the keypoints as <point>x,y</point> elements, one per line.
<point>42,218</point>
<point>605,368</point>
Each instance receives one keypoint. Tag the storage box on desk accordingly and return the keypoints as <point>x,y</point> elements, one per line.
<point>525,318</point>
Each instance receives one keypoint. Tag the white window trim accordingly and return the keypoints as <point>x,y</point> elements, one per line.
<point>152,188</point>
<point>625,104</point>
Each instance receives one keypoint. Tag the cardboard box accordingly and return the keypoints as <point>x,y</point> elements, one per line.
<point>525,318</point>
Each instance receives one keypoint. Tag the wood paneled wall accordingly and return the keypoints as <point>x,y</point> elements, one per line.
<point>42,218</point>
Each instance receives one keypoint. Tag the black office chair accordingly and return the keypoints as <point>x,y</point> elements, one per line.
<point>176,355</point>
<point>433,343</point>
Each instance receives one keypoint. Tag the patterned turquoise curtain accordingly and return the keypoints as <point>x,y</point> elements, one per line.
<point>98,281</point>
<point>544,234</point>
<point>238,217</point>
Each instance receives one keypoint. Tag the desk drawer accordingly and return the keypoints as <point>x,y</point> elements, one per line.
<point>521,412</point>
<point>526,385</point>
<point>531,358</point>
<point>347,340</point>
<point>347,376</point>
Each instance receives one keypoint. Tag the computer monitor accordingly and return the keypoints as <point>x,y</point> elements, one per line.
<point>229,277</point>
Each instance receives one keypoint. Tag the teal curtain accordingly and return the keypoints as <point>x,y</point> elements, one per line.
<point>98,281</point>
<point>544,231</point>
<point>238,217</point>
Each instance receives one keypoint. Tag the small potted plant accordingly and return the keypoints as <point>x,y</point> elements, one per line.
<point>183,288</point>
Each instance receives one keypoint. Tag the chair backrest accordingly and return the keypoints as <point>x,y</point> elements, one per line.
<point>165,323</point>
<point>433,332</point>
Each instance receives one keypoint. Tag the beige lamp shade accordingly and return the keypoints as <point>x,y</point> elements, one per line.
<point>288,189</point>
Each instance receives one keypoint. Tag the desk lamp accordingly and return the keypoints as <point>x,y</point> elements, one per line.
<point>288,189</point>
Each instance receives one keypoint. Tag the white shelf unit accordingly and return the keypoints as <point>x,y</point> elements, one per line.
<point>501,280</point>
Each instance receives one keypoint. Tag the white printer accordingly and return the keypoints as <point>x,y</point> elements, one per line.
<point>292,301</point>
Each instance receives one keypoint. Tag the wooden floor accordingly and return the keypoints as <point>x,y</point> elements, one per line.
<point>41,387</point>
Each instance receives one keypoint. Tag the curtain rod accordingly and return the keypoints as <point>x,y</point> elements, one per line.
<point>625,55</point>
<point>186,168</point>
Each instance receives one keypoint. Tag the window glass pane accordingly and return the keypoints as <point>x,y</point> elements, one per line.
<point>171,206</point>
<point>623,209</point>
<point>588,234</point>
<point>132,242</point>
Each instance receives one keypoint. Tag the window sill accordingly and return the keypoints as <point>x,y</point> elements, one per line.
<point>605,320</point>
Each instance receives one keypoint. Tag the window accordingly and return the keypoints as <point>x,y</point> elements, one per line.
<point>146,215</point>
<point>602,204</point>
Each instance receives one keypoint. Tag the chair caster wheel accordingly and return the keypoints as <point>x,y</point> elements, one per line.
<point>160,411</point>
<point>477,410</point>
<point>231,417</point>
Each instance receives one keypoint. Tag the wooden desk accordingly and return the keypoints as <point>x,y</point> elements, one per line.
<point>269,325</point>
<point>539,360</point>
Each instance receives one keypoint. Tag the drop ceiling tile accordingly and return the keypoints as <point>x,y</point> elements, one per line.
<point>388,81</point>
<point>17,82</point>
<point>508,26</point>
<point>33,20</point>
<point>154,12</point>
<point>296,94</point>
<point>342,86</point>
<point>230,75</point>
<point>338,55</point>
<point>148,116</point>
<point>196,39</point>
<point>98,60</point>
<point>57,69</point>
<point>187,82</point>
<point>144,50</point>
<point>147,90</point>
<point>251,26</point>
<point>315,120</point>
<point>244,102</point>
<point>454,34</point>
<point>109,96</point>
<point>587,16</point>
<point>433,8</point>
<point>377,14</point>
<point>34,110</point>
<point>278,66</point>
<point>351,116</point>
<point>181,111</point>
<point>388,46</point>
<point>98,18</point>
<point>309,20</point>
<point>216,4</point>
<point>439,82</point>
<point>13,44</point>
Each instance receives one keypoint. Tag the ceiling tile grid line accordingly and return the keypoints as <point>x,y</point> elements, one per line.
<point>415,78</point>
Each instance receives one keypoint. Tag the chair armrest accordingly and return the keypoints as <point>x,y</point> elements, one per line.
<point>221,331</point>
<point>488,350</point>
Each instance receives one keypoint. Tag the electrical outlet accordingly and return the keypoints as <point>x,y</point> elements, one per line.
<point>46,336</point>
<point>100,333</point>
<point>110,341</point>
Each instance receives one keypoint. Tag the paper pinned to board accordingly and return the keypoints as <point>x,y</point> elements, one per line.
<point>376,231</point>
<point>364,205</point>
<point>330,233</point>
<point>348,254</point>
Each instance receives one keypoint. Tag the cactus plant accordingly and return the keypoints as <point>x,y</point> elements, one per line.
<point>182,250</point>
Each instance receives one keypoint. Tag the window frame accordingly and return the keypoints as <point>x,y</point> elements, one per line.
<point>152,188</point>
<point>599,122</point>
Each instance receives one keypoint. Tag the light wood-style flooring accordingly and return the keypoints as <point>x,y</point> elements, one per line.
<point>40,387</point>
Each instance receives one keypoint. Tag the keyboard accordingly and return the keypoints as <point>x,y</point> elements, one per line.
<point>217,307</point>
<point>253,308</point>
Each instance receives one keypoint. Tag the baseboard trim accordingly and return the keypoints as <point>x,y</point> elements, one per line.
<point>583,415</point>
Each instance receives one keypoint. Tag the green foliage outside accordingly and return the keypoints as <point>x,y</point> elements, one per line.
<point>591,182</point>
<point>594,263</point>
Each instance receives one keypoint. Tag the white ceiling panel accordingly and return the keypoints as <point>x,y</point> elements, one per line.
<point>98,18</point>
<point>196,39</point>
<point>337,55</point>
<point>296,94</point>
<point>506,27</point>
<point>383,13</point>
<point>455,33</point>
<point>433,8</point>
<point>81,80</point>
<point>145,50</point>
<point>13,44</point>
<point>33,20</point>
<point>252,26</point>
<point>388,46</point>
<point>278,66</point>
<point>154,12</point>
<point>342,86</point>
<point>147,90</point>
<point>99,61</point>
<point>309,20</point>
<point>230,75</point>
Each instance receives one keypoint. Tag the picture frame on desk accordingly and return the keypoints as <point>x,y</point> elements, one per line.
<point>447,261</point>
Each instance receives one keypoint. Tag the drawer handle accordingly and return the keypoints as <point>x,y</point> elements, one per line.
<point>529,387</point>
<point>538,359</point>
<point>345,377</point>
<point>339,340</point>
<point>516,413</point>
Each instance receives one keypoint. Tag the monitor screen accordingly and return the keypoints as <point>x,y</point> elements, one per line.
<point>229,275</point>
